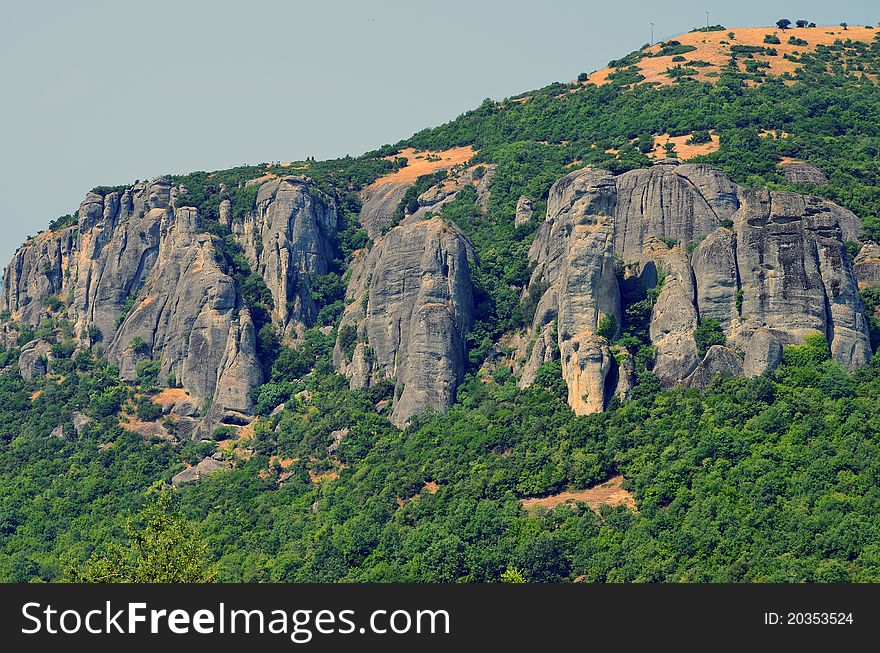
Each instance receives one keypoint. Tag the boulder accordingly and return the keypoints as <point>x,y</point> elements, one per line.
<point>803,173</point>
<point>718,361</point>
<point>32,361</point>
<point>524,211</point>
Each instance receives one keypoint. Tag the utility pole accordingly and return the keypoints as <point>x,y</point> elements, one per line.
<point>652,33</point>
<point>707,22</point>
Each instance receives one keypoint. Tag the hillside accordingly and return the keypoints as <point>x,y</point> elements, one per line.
<point>619,329</point>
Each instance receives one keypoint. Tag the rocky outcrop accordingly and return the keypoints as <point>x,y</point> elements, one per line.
<point>574,263</point>
<point>206,466</point>
<point>140,275</point>
<point>718,361</point>
<point>33,359</point>
<point>769,267</point>
<point>674,319</point>
<point>190,317</point>
<point>867,266</point>
<point>409,309</point>
<point>379,206</point>
<point>763,353</point>
<point>524,211</point>
<point>288,240</point>
<point>803,173</point>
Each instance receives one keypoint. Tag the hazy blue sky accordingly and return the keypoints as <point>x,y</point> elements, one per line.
<point>102,93</point>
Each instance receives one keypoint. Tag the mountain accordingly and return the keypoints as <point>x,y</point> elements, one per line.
<point>684,239</point>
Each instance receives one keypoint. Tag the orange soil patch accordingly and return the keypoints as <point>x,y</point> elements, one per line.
<point>36,395</point>
<point>682,150</point>
<point>149,299</point>
<point>609,493</point>
<point>170,396</point>
<point>105,446</point>
<point>424,163</point>
<point>320,478</point>
<point>787,159</point>
<point>284,462</point>
<point>256,181</point>
<point>710,49</point>
<point>431,487</point>
<point>132,423</point>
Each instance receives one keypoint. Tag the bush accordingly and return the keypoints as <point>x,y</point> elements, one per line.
<point>813,351</point>
<point>147,373</point>
<point>607,327</point>
<point>708,334</point>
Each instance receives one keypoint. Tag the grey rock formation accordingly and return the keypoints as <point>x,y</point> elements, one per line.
<point>288,239</point>
<point>574,264</point>
<point>673,322</point>
<point>764,352</point>
<point>524,211</point>
<point>769,267</point>
<point>867,266</point>
<point>32,361</point>
<point>717,278</point>
<point>207,466</point>
<point>409,309</point>
<point>138,274</point>
<point>719,360</point>
<point>803,173</point>
<point>80,422</point>
<point>543,350</point>
<point>190,317</point>
<point>379,206</point>
<point>626,374</point>
<point>796,276</point>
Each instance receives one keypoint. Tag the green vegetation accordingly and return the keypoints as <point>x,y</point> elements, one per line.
<point>708,334</point>
<point>767,479</point>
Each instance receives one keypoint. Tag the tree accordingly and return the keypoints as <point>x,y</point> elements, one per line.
<point>844,25</point>
<point>607,327</point>
<point>583,77</point>
<point>784,23</point>
<point>707,334</point>
<point>802,23</point>
<point>162,547</point>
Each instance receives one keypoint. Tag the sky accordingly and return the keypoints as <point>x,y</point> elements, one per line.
<point>103,93</point>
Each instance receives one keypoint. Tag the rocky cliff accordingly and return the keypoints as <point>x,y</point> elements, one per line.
<point>769,267</point>
<point>409,308</point>
<point>140,275</point>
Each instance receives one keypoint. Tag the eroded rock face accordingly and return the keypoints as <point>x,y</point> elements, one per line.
<point>139,275</point>
<point>867,266</point>
<point>764,352</point>
<point>33,359</point>
<point>410,305</point>
<point>769,267</point>
<point>803,173</point>
<point>574,265</point>
<point>524,211</point>
<point>288,239</point>
<point>190,317</point>
<point>719,360</point>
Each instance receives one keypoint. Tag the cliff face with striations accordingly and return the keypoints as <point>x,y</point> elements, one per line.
<point>409,308</point>
<point>140,276</point>
<point>770,267</point>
